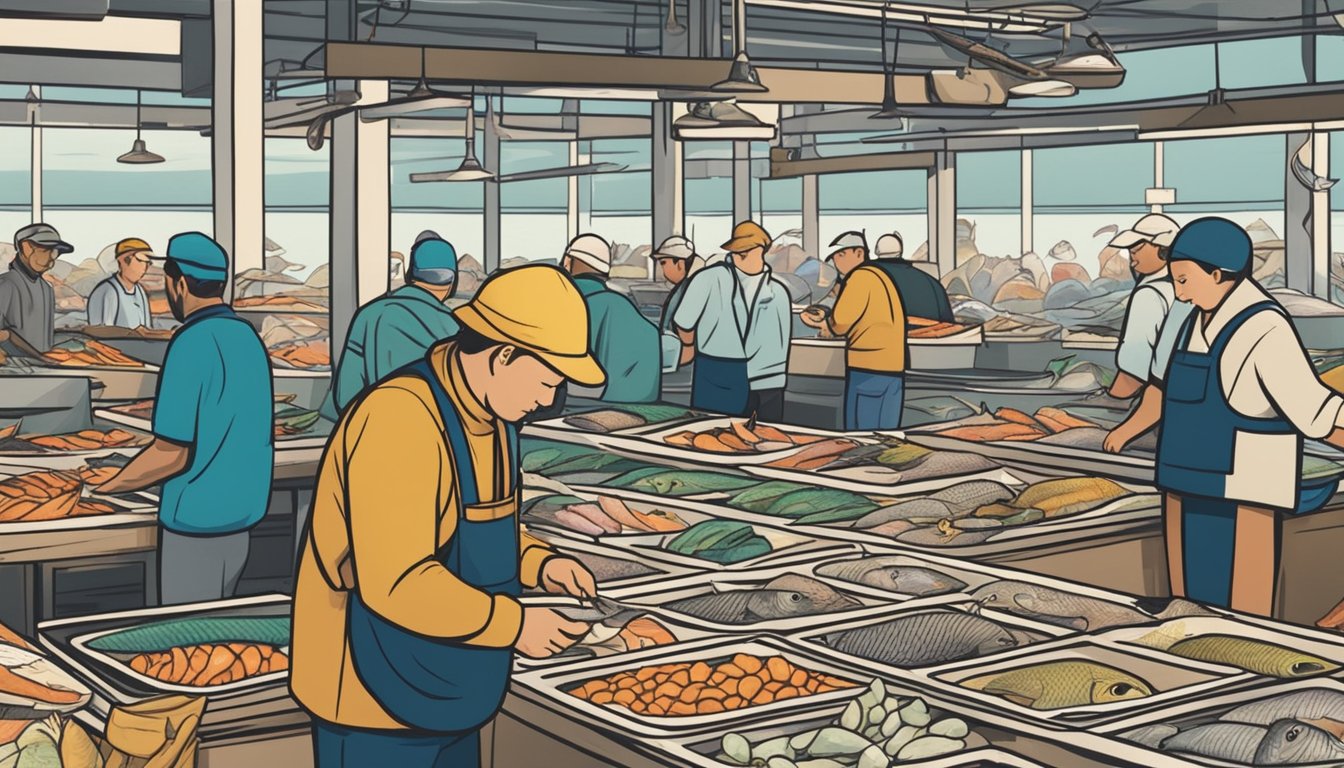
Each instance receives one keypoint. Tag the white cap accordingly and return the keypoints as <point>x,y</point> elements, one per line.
<point>889,246</point>
<point>1154,228</point>
<point>675,247</point>
<point>846,240</point>
<point>591,250</point>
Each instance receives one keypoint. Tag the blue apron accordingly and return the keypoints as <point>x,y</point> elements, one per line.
<point>432,685</point>
<point>720,385</point>
<point>1195,456</point>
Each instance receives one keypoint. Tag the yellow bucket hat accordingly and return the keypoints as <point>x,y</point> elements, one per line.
<point>537,308</point>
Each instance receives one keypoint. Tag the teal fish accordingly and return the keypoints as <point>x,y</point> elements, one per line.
<point>760,497</point>
<point>680,482</point>
<point>812,500</point>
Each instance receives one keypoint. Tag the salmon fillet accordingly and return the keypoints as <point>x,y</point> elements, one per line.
<point>989,433</point>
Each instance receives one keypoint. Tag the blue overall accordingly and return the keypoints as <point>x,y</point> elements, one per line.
<point>1195,456</point>
<point>720,385</point>
<point>442,690</point>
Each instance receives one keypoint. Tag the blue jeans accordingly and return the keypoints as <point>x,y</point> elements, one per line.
<point>336,746</point>
<point>873,400</point>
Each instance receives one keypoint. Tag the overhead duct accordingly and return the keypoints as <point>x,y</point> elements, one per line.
<point>67,10</point>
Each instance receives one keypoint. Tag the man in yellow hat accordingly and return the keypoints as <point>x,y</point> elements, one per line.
<point>120,300</point>
<point>406,617</point>
<point>734,321</point>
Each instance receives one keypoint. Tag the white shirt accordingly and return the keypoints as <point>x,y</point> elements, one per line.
<point>1266,373</point>
<point>727,327</point>
<point>1145,351</point>
<point>110,304</point>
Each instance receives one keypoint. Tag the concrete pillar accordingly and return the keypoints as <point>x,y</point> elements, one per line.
<point>704,29</point>
<point>488,140</point>
<point>1028,203</point>
<point>572,196</point>
<point>361,212</point>
<point>1159,172</point>
<point>35,141</point>
<point>667,177</point>
<point>943,211</point>
<point>811,216</point>
<point>1307,218</point>
<point>741,181</point>
<point>237,134</point>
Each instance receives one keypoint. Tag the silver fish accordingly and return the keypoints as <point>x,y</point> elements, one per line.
<point>914,509</point>
<point>783,597</point>
<point>932,537</point>
<point>964,497</point>
<point>1292,743</point>
<point>606,568</point>
<point>1233,742</point>
<point>1150,736</point>
<point>1310,704</point>
<point>923,639</point>
<point>1085,438</point>
<point>948,464</point>
<point>887,573</point>
<point>1056,606</point>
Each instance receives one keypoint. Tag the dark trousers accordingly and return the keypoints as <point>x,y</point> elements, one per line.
<point>336,746</point>
<point>766,404</point>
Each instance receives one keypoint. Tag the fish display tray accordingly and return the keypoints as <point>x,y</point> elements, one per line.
<point>115,416</point>
<point>969,573</point>
<point>661,570</point>
<point>54,459</point>
<point>1181,680</point>
<point>656,597</point>
<point>555,683</point>
<point>119,383</point>
<point>132,509</point>
<point>299,373</point>
<point>70,639</point>
<point>786,546</point>
<point>647,441</point>
<point>877,480</point>
<point>683,632</point>
<point>1199,712</point>
<point>1135,467</point>
<point>309,439</point>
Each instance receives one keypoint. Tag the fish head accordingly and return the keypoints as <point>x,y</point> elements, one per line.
<point>1306,666</point>
<point>999,640</point>
<point>1290,742</point>
<point>996,594</point>
<point>1107,688</point>
<point>794,595</point>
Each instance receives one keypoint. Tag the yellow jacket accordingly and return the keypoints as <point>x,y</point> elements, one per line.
<point>869,314</point>
<point>384,505</point>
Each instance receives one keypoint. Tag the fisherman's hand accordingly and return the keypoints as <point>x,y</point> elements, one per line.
<point>567,576</point>
<point>546,633</point>
<point>813,318</point>
<point>1117,440</point>
<point>687,354</point>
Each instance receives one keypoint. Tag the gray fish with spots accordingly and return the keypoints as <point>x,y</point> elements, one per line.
<point>925,638</point>
<point>930,536</point>
<point>1056,606</point>
<point>1234,742</point>
<point>888,573</point>
<point>1290,742</point>
<point>1310,704</point>
<point>1150,736</point>
<point>780,598</point>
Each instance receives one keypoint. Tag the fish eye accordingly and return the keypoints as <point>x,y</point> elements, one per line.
<point>992,599</point>
<point>794,597</point>
<point>1307,667</point>
<point>1121,689</point>
<point>1292,733</point>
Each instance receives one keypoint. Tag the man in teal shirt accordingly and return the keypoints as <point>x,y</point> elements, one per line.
<point>396,330</point>
<point>624,342</point>
<point>213,446</point>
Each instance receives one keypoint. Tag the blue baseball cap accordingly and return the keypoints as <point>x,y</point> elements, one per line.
<point>198,256</point>
<point>1215,243</point>
<point>433,261</point>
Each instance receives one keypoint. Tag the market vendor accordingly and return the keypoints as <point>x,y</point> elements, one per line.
<point>121,300</point>
<point>624,342</point>
<point>27,300</point>
<point>921,293</point>
<point>871,315</point>
<point>1238,396</point>
<point>397,329</point>
<point>735,321</point>
<point>406,612</point>
<point>677,261</point>
<point>213,445</point>
<point>1143,355</point>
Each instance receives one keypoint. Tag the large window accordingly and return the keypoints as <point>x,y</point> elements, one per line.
<point>622,204</point>
<point>708,192</point>
<point>1337,220</point>
<point>532,221</point>
<point>15,187</point>
<point>989,203</point>
<point>452,209</point>
<point>876,202</point>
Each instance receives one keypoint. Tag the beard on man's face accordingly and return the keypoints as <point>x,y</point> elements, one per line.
<point>175,304</point>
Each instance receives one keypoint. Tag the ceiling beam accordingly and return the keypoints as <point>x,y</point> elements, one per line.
<point>53,67</point>
<point>782,167</point>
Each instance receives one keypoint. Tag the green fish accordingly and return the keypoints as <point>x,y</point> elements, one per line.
<point>1255,656</point>
<point>298,421</point>
<point>680,482</point>
<point>588,462</point>
<point>903,456</point>
<point>629,480</point>
<point>760,497</point>
<point>811,500</point>
<point>842,514</point>
<point>751,548</point>
<point>1062,685</point>
<point>710,534</point>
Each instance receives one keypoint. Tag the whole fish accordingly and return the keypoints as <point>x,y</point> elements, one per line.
<point>1150,736</point>
<point>964,497</point>
<point>780,598</point>
<point>811,501</point>
<point>888,573</point>
<point>682,482</point>
<point>1290,742</point>
<point>1062,684</point>
<point>946,464</point>
<point>1255,656</point>
<point>1234,742</point>
<point>924,639</point>
<point>1310,704</point>
<point>1067,496</point>
<point>931,536</point>
<point>914,509</point>
<point>759,497</point>
<point>1085,438</point>
<point>1055,606</point>
<point>606,569</point>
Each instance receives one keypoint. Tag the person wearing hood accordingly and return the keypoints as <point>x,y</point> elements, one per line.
<point>27,300</point>
<point>870,314</point>
<point>921,293</point>
<point>1238,396</point>
<point>1142,356</point>
<point>397,329</point>
<point>624,342</point>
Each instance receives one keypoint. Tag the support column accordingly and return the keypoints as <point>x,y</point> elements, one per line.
<point>1307,218</point>
<point>572,196</point>
<point>1028,203</point>
<point>237,134</point>
<point>668,177</point>
<point>811,216</point>
<point>490,159</point>
<point>1321,245</point>
<point>741,181</point>
<point>943,211</point>
<point>1159,172</point>
<point>704,29</point>
<point>361,211</point>
<point>35,141</point>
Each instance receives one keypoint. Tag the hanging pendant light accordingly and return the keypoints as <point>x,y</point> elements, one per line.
<point>470,169</point>
<point>139,155</point>
<point>890,109</point>
<point>742,77</point>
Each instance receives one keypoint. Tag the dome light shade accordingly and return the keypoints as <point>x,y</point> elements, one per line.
<point>139,155</point>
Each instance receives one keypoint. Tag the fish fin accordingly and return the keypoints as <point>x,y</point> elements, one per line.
<point>1164,636</point>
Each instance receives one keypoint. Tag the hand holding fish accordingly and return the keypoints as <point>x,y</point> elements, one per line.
<point>1117,439</point>
<point>567,576</point>
<point>546,632</point>
<point>813,317</point>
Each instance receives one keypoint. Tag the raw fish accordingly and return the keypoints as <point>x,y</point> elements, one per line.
<point>1252,655</point>
<point>1054,606</point>
<point>935,537</point>
<point>606,569</point>
<point>833,503</point>
<point>816,455</point>
<point>924,639</point>
<point>1062,684</point>
<point>1007,431</point>
<point>681,482</point>
<point>1294,743</point>
<point>1233,742</point>
<point>721,541</point>
<point>1084,438</point>
<point>1150,736</point>
<point>759,497</point>
<point>1066,496</point>
<point>887,572</point>
<point>604,421</point>
<point>783,597</point>
<point>1310,704</point>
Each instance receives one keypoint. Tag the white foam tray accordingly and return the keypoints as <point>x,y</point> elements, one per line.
<point>647,441</point>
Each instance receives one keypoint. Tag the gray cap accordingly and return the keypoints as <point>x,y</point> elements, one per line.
<point>675,247</point>
<point>849,239</point>
<point>44,235</point>
<point>428,234</point>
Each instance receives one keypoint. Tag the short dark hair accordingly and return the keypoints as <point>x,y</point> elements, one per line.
<point>470,342</point>
<point>201,289</point>
<point>1164,252</point>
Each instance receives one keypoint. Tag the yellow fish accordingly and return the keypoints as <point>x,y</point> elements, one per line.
<point>1255,656</point>
<point>1062,684</point>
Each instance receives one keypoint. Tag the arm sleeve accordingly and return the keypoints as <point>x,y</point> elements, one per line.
<point>182,387</point>
<point>693,302</point>
<point>852,302</point>
<point>102,305</point>
<point>1290,383</point>
<point>394,500</point>
<point>1138,340</point>
<point>534,554</point>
